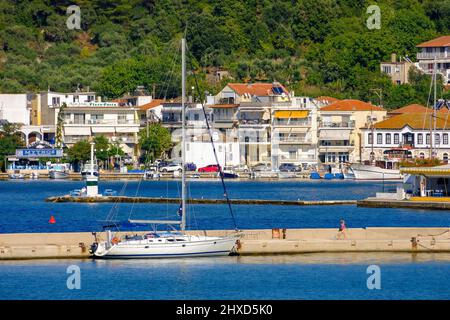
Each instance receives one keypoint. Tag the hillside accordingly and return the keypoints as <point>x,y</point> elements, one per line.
<point>315,47</point>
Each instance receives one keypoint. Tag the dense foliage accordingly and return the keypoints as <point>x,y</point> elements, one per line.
<point>80,152</point>
<point>313,46</point>
<point>154,141</point>
<point>10,140</point>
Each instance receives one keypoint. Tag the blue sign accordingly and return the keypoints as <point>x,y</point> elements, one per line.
<point>39,153</point>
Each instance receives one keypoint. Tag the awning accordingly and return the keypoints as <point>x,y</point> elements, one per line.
<point>439,171</point>
<point>334,135</point>
<point>77,131</point>
<point>297,114</point>
<point>127,129</point>
<point>103,130</point>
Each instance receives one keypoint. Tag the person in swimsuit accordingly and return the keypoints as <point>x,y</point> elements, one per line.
<point>342,228</point>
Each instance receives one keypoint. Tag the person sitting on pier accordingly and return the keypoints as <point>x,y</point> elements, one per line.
<point>342,229</point>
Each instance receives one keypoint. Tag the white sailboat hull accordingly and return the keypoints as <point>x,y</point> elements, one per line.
<point>191,247</point>
<point>366,172</point>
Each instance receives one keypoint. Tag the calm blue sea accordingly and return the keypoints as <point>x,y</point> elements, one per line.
<point>308,276</point>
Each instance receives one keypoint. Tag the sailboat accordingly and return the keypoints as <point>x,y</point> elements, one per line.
<point>171,243</point>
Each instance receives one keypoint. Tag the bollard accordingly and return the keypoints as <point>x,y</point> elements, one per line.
<point>275,233</point>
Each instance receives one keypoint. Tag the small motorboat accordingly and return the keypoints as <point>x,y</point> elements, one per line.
<point>16,175</point>
<point>58,171</point>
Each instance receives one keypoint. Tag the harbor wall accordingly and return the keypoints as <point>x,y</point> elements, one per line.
<point>264,241</point>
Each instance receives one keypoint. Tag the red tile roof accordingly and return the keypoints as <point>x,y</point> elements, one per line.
<point>412,108</point>
<point>351,105</point>
<point>154,103</point>
<point>327,99</point>
<point>443,41</point>
<point>259,89</point>
<point>415,121</point>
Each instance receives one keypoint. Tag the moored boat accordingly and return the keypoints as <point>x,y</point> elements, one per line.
<point>58,171</point>
<point>171,243</point>
<point>369,172</point>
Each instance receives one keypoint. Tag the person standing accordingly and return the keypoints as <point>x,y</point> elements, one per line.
<point>342,230</point>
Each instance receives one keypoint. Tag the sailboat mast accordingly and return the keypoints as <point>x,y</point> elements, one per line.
<point>183,134</point>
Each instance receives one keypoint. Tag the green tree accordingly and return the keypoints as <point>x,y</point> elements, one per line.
<point>154,141</point>
<point>80,152</point>
<point>10,140</point>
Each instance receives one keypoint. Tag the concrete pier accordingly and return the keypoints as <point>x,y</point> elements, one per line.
<point>199,201</point>
<point>267,241</point>
<point>428,204</point>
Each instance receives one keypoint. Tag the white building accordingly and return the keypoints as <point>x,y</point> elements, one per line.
<point>436,51</point>
<point>294,132</point>
<point>120,124</point>
<point>199,150</point>
<point>15,108</point>
<point>408,135</point>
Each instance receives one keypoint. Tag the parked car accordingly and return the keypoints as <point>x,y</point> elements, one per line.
<point>171,167</point>
<point>261,167</point>
<point>289,167</point>
<point>210,168</point>
<point>243,168</point>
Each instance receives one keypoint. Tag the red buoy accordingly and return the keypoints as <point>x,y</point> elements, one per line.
<point>52,220</point>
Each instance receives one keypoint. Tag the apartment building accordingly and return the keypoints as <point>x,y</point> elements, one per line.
<point>339,128</point>
<point>120,124</point>
<point>435,54</point>
<point>294,132</point>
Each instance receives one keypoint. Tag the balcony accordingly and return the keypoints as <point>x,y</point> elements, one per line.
<point>292,123</point>
<point>253,122</point>
<point>432,55</point>
<point>294,140</point>
<point>349,124</point>
<point>102,122</point>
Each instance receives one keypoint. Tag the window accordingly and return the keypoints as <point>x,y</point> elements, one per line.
<point>388,138</point>
<point>445,157</point>
<point>427,139</point>
<point>121,118</point>
<point>420,138</point>
<point>396,138</point>
<point>370,138</point>
<point>387,69</point>
<point>445,138</point>
<point>421,155</point>
<point>196,117</point>
<point>379,138</point>
<point>437,138</point>
<point>96,118</point>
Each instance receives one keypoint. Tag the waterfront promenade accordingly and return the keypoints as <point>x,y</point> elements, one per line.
<point>253,242</point>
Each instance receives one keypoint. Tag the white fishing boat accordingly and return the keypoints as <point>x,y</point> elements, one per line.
<point>385,170</point>
<point>172,243</point>
<point>58,171</point>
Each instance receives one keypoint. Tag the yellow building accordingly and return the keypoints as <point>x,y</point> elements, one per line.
<point>340,127</point>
